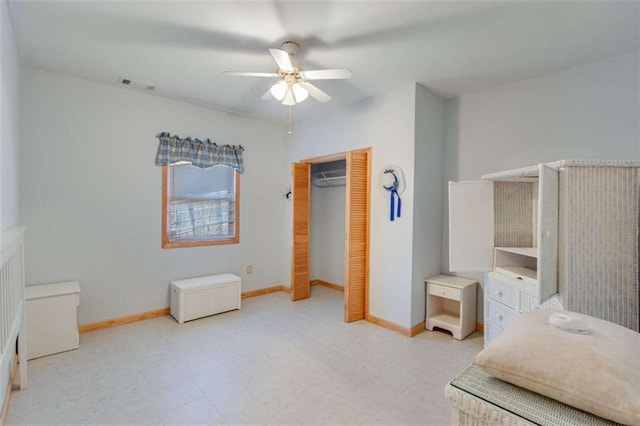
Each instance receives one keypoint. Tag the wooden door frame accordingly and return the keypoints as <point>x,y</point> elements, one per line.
<point>343,156</point>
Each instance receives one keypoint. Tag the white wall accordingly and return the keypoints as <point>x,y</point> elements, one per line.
<point>327,234</point>
<point>9,94</point>
<point>9,80</point>
<point>90,193</point>
<point>385,123</point>
<point>590,111</point>
<point>429,192</point>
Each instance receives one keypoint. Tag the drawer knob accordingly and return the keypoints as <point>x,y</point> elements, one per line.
<point>499,317</point>
<point>443,293</point>
<point>500,293</point>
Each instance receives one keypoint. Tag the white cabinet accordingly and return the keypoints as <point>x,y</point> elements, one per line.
<point>451,305</point>
<point>522,219</point>
<point>563,229</point>
<point>52,324</point>
<point>515,230</point>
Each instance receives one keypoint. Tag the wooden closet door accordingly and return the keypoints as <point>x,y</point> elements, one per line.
<point>301,191</point>
<point>357,236</point>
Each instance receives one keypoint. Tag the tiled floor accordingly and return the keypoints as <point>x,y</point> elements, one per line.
<point>273,362</point>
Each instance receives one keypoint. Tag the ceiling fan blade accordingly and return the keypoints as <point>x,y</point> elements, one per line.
<point>315,93</point>
<point>282,59</point>
<point>331,74</point>
<point>267,96</point>
<point>250,74</point>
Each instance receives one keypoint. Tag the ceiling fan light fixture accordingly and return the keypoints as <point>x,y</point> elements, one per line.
<point>293,86</point>
<point>289,99</point>
<point>279,90</point>
<point>299,92</point>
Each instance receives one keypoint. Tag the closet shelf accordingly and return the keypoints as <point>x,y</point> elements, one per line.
<point>329,178</point>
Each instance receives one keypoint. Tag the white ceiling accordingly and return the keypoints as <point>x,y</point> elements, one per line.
<point>451,47</point>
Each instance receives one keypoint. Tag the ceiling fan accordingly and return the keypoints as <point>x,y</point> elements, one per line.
<point>293,86</point>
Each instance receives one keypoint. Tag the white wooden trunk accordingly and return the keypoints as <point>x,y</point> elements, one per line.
<point>199,297</point>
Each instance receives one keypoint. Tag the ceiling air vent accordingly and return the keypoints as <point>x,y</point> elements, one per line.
<point>136,84</point>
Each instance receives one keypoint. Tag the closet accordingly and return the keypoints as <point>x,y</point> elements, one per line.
<point>355,236</point>
<point>328,207</point>
<point>559,235</point>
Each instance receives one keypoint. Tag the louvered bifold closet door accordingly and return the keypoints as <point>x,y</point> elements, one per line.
<point>357,238</point>
<point>301,190</point>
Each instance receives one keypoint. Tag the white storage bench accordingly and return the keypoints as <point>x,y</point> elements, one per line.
<point>52,324</point>
<point>199,297</point>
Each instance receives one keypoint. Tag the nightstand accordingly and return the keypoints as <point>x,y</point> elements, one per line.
<point>451,305</point>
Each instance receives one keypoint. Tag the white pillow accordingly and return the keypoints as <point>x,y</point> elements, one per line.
<point>598,372</point>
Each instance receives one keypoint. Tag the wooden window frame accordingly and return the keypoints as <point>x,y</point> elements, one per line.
<point>165,217</point>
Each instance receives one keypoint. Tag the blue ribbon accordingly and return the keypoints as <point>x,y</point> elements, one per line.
<point>394,194</point>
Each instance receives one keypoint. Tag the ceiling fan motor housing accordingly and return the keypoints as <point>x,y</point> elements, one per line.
<point>291,47</point>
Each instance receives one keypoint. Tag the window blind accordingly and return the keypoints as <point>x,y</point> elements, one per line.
<point>201,203</point>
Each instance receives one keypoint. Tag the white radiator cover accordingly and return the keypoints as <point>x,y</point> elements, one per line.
<point>199,297</point>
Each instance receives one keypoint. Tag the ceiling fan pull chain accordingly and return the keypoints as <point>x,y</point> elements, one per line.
<point>289,119</point>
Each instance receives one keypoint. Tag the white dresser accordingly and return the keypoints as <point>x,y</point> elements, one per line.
<point>505,299</point>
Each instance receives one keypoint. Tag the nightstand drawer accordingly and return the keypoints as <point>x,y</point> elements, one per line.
<point>444,291</point>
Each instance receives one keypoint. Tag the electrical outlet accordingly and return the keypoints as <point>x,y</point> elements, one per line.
<point>249,270</point>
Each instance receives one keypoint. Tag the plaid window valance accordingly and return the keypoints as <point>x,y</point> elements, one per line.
<point>172,149</point>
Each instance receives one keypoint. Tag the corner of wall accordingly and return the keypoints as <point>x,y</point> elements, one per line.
<point>9,92</point>
<point>429,148</point>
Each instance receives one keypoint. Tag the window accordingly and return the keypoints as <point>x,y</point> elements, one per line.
<point>199,205</point>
